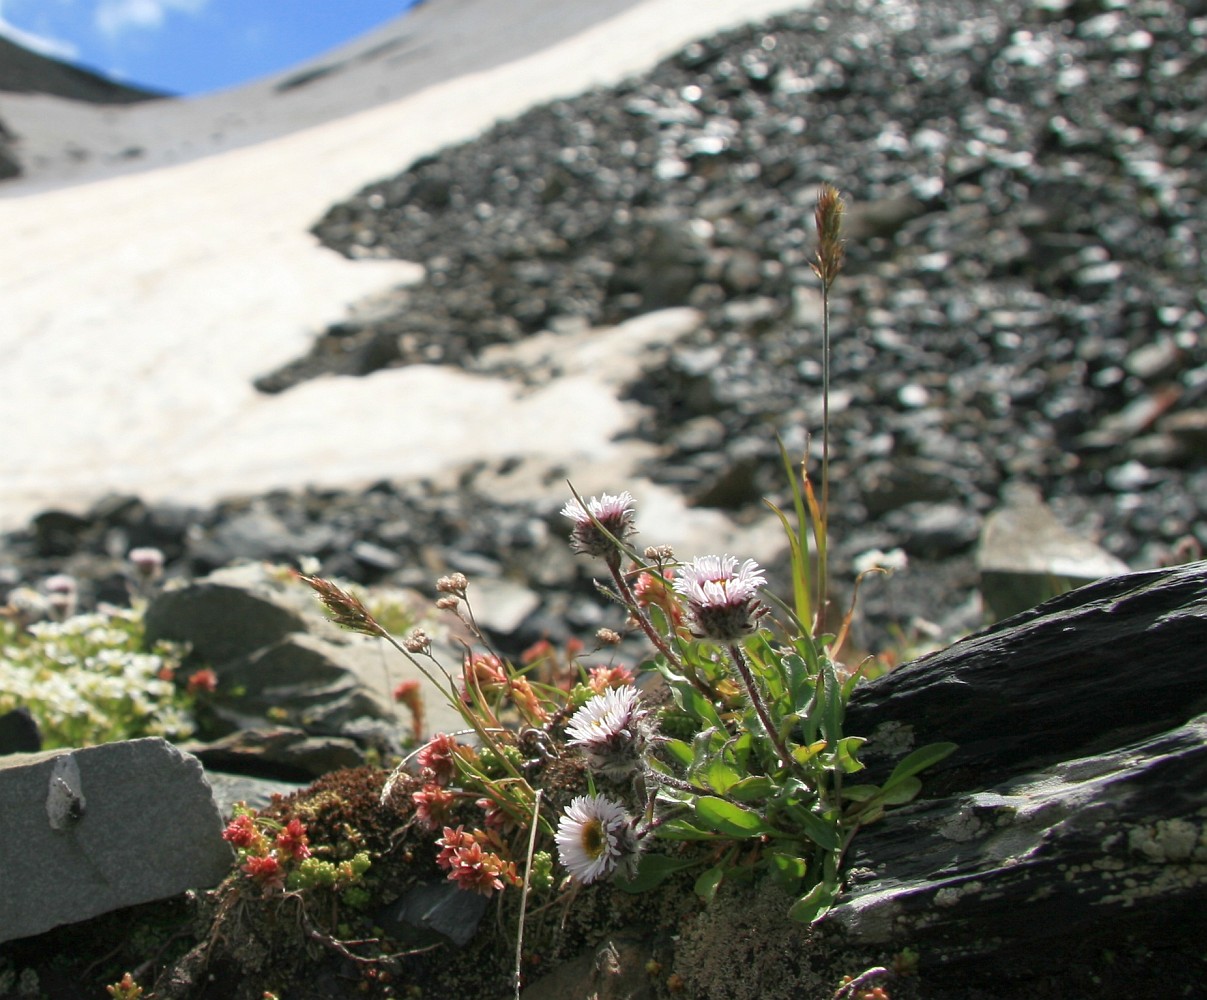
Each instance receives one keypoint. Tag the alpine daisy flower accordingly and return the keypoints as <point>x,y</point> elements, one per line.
<point>721,596</point>
<point>612,730</point>
<point>593,836</point>
<point>615,513</point>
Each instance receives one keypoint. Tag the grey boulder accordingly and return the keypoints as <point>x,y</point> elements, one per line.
<point>84,832</point>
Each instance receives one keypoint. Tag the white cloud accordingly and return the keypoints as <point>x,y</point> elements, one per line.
<point>46,45</point>
<point>116,17</point>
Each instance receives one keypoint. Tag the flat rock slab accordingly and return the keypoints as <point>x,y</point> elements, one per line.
<point>267,637</point>
<point>84,832</point>
<point>1026,555</point>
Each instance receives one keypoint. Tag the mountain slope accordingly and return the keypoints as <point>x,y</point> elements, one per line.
<point>26,72</point>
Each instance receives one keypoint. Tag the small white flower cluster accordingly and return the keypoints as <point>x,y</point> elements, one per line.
<point>86,681</point>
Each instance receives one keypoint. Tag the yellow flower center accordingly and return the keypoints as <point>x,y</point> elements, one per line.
<point>593,839</point>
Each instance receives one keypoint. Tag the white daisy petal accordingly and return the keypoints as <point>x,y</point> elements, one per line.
<point>592,837</point>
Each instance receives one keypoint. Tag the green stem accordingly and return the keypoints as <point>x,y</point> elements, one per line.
<point>822,576</point>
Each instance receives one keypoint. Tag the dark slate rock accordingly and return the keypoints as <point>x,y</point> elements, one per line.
<point>1070,818</point>
<point>19,732</point>
<point>93,830</point>
<point>433,911</point>
<point>221,621</point>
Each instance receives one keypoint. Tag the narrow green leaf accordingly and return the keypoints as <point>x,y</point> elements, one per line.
<point>728,818</point>
<point>822,831</point>
<point>813,903</point>
<point>901,791</point>
<point>860,793</point>
<point>919,760</point>
<point>707,884</point>
<point>871,815</point>
<point>681,829</point>
<point>832,718</point>
<point>652,870</point>
<point>844,756</point>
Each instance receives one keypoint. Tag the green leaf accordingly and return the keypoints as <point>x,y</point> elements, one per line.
<point>755,786</point>
<point>844,755</point>
<point>719,775</point>
<point>707,884</point>
<point>741,748</point>
<point>679,751</point>
<point>813,903</point>
<point>870,815</point>
<point>728,818</point>
<point>820,830</point>
<point>788,870</point>
<point>832,718</point>
<point>860,793</point>
<point>694,703</point>
<point>659,766</point>
<point>901,791</point>
<point>705,747</point>
<point>681,829</point>
<point>919,760</point>
<point>806,646</point>
<point>802,755</point>
<point>658,619</point>
<point>652,870</point>
<point>798,677</point>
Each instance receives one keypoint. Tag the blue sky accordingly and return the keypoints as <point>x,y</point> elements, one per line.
<point>190,46</point>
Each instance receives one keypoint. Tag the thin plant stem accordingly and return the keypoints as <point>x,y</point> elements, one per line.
<point>822,575</point>
<point>519,941</point>
<point>760,707</point>
<point>645,624</point>
<point>830,251</point>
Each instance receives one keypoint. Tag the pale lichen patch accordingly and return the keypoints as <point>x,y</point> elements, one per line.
<point>894,739</point>
<point>949,895</point>
<point>1170,840</point>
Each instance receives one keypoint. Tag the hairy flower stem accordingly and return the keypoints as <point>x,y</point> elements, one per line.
<point>651,633</point>
<point>760,707</point>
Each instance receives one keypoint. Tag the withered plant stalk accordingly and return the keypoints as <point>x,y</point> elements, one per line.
<point>827,218</point>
